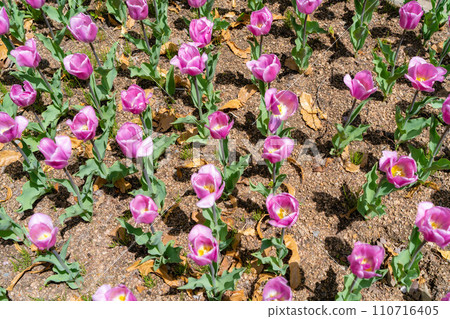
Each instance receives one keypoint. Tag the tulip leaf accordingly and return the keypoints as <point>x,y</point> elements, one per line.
<point>54,47</point>
<point>440,165</point>
<point>369,203</point>
<point>16,20</point>
<point>361,283</point>
<point>301,54</point>
<point>228,281</point>
<point>233,173</point>
<point>275,264</point>
<point>204,281</point>
<point>346,135</point>
<point>3,294</point>
<point>358,34</point>
<point>160,144</point>
<point>255,5</point>
<point>9,107</point>
<point>32,190</point>
<point>118,9</point>
<point>140,237</point>
<point>145,71</point>
<point>260,188</point>
<point>221,230</point>
<point>170,81</point>
<point>118,171</point>
<point>9,229</point>
<point>407,129</point>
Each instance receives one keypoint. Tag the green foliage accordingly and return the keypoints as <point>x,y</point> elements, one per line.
<point>3,294</point>
<point>118,9</point>
<point>10,230</point>
<point>275,264</point>
<point>220,231</point>
<point>84,206</point>
<point>361,283</point>
<point>384,78</point>
<point>434,18</point>
<point>345,136</point>
<point>23,262</point>
<point>233,172</point>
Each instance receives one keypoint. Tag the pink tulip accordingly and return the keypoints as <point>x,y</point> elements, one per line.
<point>277,149</point>
<point>23,96</point>
<point>200,31</point>
<point>219,125</point>
<point>27,54</point>
<point>423,75</point>
<point>189,60</point>
<point>83,28</point>
<point>41,231</point>
<point>143,209</point>
<point>399,171</point>
<point>84,124</point>
<point>10,128</point>
<point>56,154</point>
<point>446,111</point>
<point>434,223</point>
<point>283,210</point>
<point>203,246</point>
<point>78,65</point>
<point>447,296</point>
<point>361,87</point>
<point>410,15</point>
<point>282,105</point>
<point>134,99</point>
<point>277,289</point>
<point>308,6</point>
<point>36,4</point>
<point>129,137</point>
<point>196,3</point>
<point>119,293</point>
<point>208,186</point>
<point>260,22</point>
<point>4,22</point>
<point>365,260</point>
<point>138,9</point>
<point>266,68</point>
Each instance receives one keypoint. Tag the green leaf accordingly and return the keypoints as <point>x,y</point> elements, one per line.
<point>369,203</point>
<point>3,294</point>
<point>407,130</point>
<point>32,190</point>
<point>118,171</point>
<point>140,237</point>
<point>228,280</point>
<point>233,172</point>
<point>9,229</point>
<point>361,283</point>
<point>301,55</point>
<point>118,9</point>
<point>8,106</point>
<point>260,188</point>
<point>205,281</point>
<point>161,143</point>
<point>170,81</point>
<point>358,35</point>
<point>54,48</point>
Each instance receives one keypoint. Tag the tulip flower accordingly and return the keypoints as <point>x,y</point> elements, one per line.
<point>196,3</point>
<point>23,96</point>
<point>27,54</point>
<point>36,4</point>
<point>56,153</point>
<point>4,22</point>
<point>189,60</point>
<point>119,293</point>
<point>208,185</point>
<point>446,111</point>
<point>410,15</point>
<point>447,296</point>
<point>277,289</point>
<point>129,137</point>
<point>84,124</point>
<point>83,28</point>
<point>79,65</point>
<point>41,231</point>
<point>423,75</point>
<point>143,209</point>
<point>134,99</point>
<point>277,149</point>
<point>219,125</point>
<point>266,68</point>
<point>361,87</point>
<point>138,9</point>
<point>365,260</point>
<point>203,246</point>
<point>283,210</point>
<point>282,105</point>
<point>200,31</point>
<point>307,6</point>
<point>400,171</point>
<point>10,128</point>
<point>434,223</point>
<point>260,22</point>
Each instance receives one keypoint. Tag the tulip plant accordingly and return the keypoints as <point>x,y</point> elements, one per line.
<point>260,24</point>
<point>435,18</point>
<point>359,29</point>
<point>119,293</point>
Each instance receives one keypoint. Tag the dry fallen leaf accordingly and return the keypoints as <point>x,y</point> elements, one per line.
<point>122,185</point>
<point>140,289</point>
<point>124,62</point>
<point>444,253</point>
<point>99,182</point>
<point>243,54</point>
<point>19,275</point>
<point>350,167</point>
<point>186,135</point>
<point>257,292</point>
<point>258,226</point>
<point>243,19</point>
<point>233,3</point>
<point>168,47</point>
<point>237,296</point>
<point>8,194</point>
<point>249,232</point>
<point>1,146</point>
<point>290,188</point>
<point>231,105</point>
<point>233,202</point>
<point>147,268</point>
<point>75,142</point>
<point>278,17</point>
<point>310,114</point>
<point>293,161</point>
<point>197,217</point>
<point>164,119</point>
<point>3,51</point>
<point>196,162</point>
<point>290,64</point>
<point>225,36</point>
<point>294,262</point>
<point>247,92</point>
<point>7,157</point>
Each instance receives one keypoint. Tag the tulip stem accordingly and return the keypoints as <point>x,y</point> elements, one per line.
<point>21,152</point>
<point>48,24</point>
<point>416,252</point>
<point>222,153</point>
<point>63,264</point>
<point>397,51</point>
<point>444,53</point>
<point>444,135</point>
<point>6,37</point>
<point>94,99</point>
<point>156,10</point>
<point>74,186</point>
<point>95,54</point>
<point>199,98</point>
<point>260,45</point>
<point>347,123</point>
<point>45,80</point>
<point>38,120</point>
<point>352,286</point>
<point>362,12</point>
<point>408,115</point>
<point>152,229</point>
<point>145,36</point>
<point>274,177</point>
<point>143,124</point>
<point>304,30</point>
<point>147,178</point>
<point>213,275</point>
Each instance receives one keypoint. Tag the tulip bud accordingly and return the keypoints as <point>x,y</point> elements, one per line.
<point>423,75</point>
<point>365,260</point>
<point>84,124</point>
<point>119,293</point>
<point>83,28</point>
<point>56,154</point>
<point>282,105</point>
<point>283,210</point>
<point>196,3</point>
<point>41,231</point>
<point>446,110</point>
<point>134,99</point>
<point>10,128</point>
<point>399,171</point>
<point>78,65</point>
<point>277,289</point>
<point>208,186</point>
<point>203,246</point>
<point>260,22</point>
<point>410,15</point>
<point>361,87</point>
<point>129,137</point>
<point>23,96</point>
<point>143,209</point>
<point>200,31</point>
<point>36,4</point>
<point>189,60</point>
<point>266,68</point>
<point>308,6</point>
<point>219,125</point>
<point>138,9</point>
<point>447,296</point>
<point>4,22</point>
<point>277,149</point>
<point>27,54</point>
<point>434,223</point>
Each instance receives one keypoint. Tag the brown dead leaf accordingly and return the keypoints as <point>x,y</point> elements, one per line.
<point>244,19</point>
<point>7,157</point>
<point>231,105</point>
<point>225,36</point>
<point>124,62</point>
<point>247,92</point>
<point>444,253</point>
<point>233,201</point>
<point>140,289</point>
<point>197,217</point>
<point>76,143</point>
<point>390,250</point>
<point>3,51</point>
<point>293,161</point>
<point>229,221</point>
<point>233,3</point>
<point>432,185</point>
<point>186,135</point>
<point>258,226</point>
<point>147,268</point>
<point>249,232</point>
<point>278,17</point>
<point>237,296</point>
<point>99,182</point>
<point>257,292</point>
<point>196,162</point>
<point>130,23</point>
<point>290,188</point>
<point>88,150</point>
<point>168,47</point>
<point>350,167</point>
<point>122,185</point>
<point>294,262</point>
<point>243,54</point>
<point>164,119</point>
<point>1,146</point>
<point>310,114</point>
<point>20,275</point>
<point>182,82</point>
<point>290,64</point>
<point>174,10</point>
<point>8,194</point>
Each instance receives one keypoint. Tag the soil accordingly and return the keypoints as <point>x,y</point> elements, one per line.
<point>327,227</point>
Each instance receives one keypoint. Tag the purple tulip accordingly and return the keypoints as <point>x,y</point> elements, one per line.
<point>361,87</point>
<point>410,15</point>
<point>4,22</point>
<point>196,3</point>
<point>446,110</point>
<point>277,289</point>
<point>83,28</point>
<point>266,68</point>
<point>41,231</point>
<point>143,209</point>
<point>27,54</point>
<point>119,293</point>
<point>189,60</point>
<point>84,124</point>
<point>283,210</point>
<point>365,260</point>
<point>208,186</point>
<point>56,154</point>
<point>434,223</point>
<point>79,65</point>
<point>203,246</point>
<point>138,9</point>
<point>277,149</point>
<point>10,128</point>
<point>129,137</point>
<point>219,125</point>
<point>260,22</point>
<point>308,6</point>
<point>282,105</point>
<point>36,4</point>
<point>423,75</point>
<point>447,296</point>
<point>400,171</point>
<point>23,96</point>
<point>200,31</point>
<point>134,99</point>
